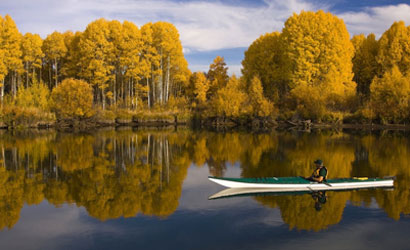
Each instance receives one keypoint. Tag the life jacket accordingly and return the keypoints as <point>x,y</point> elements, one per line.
<point>316,173</point>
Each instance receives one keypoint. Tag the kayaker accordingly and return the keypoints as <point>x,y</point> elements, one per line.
<point>320,173</point>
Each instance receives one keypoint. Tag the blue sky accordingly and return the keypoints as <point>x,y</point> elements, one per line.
<point>207,28</point>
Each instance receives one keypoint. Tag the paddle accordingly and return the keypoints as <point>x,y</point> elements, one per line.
<point>327,184</point>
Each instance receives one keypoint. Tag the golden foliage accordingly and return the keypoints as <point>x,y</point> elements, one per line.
<point>261,107</point>
<point>394,48</point>
<point>365,65</point>
<point>72,99</point>
<point>263,60</point>
<point>10,44</point>
<point>37,95</point>
<point>390,96</point>
<point>199,87</point>
<point>319,59</point>
<point>217,76</point>
<point>229,100</point>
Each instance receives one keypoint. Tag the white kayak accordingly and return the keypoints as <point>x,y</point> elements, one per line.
<point>294,184</point>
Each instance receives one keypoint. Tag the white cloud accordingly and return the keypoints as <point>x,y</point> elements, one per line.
<point>202,25</point>
<point>232,68</point>
<point>45,226</point>
<point>376,19</point>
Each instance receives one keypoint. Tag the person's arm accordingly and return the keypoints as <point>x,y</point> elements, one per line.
<point>318,179</point>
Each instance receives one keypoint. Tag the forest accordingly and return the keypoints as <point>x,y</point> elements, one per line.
<point>313,69</point>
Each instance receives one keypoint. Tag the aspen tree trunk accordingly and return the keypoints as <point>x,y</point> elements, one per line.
<point>160,82</point>
<point>135,94</point>
<point>26,74</point>
<point>130,92</point>
<point>153,87</point>
<point>12,83</point>
<point>14,80</point>
<point>55,64</point>
<point>115,89</point>
<point>167,80</point>
<point>49,76</point>
<point>148,94</point>
<point>2,92</point>
<point>103,98</point>
<point>122,90</point>
<point>18,81</point>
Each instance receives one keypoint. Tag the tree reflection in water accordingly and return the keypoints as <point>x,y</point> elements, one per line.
<point>123,173</point>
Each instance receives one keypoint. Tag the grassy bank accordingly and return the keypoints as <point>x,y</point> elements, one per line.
<point>14,117</point>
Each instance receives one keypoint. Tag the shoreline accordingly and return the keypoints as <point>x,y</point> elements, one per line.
<point>253,125</point>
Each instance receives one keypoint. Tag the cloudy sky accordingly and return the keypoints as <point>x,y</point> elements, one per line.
<point>207,28</point>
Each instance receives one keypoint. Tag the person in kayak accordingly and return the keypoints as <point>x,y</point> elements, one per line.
<point>320,173</point>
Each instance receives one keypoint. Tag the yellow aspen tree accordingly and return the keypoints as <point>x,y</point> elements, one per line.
<point>3,73</point>
<point>261,107</point>
<point>3,67</point>
<point>64,72</point>
<point>365,66</point>
<point>131,49</point>
<point>217,75</point>
<point>229,100</point>
<point>55,50</point>
<point>116,59</point>
<point>318,55</point>
<point>71,67</point>
<point>32,55</point>
<point>149,62</point>
<point>95,50</point>
<point>11,45</point>
<point>262,60</point>
<point>173,68</point>
<point>390,96</point>
<point>394,48</point>
<point>201,86</point>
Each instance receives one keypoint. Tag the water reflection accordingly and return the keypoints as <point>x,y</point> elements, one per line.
<point>122,173</point>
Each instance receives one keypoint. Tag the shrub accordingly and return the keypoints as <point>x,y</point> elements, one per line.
<point>72,99</point>
<point>37,95</point>
<point>14,116</point>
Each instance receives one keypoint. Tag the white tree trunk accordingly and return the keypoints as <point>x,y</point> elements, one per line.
<point>160,82</point>
<point>167,80</point>
<point>26,74</point>
<point>148,94</point>
<point>2,92</point>
<point>153,87</point>
<point>103,98</point>
<point>56,65</point>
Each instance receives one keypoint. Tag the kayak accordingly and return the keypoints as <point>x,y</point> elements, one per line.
<point>292,184</point>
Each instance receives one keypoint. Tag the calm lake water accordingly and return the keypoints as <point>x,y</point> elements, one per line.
<point>147,189</point>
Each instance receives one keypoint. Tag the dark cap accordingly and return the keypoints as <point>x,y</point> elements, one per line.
<point>318,161</point>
